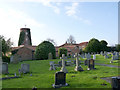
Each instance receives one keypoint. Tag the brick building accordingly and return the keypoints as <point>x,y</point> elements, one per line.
<point>25,50</point>
<point>72,48</point>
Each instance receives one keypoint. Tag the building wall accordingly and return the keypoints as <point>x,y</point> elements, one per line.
<point>25,54</point>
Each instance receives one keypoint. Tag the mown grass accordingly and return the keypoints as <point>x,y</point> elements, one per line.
<point>43,78</point>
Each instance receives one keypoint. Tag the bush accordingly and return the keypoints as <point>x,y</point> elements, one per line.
<point>62,51</point>
<point>43,49</point>
<point>5,59</point>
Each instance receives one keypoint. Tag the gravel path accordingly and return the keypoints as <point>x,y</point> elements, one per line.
<point>107,65</point>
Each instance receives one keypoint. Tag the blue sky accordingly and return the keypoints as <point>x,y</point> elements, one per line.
<point>59,20</point>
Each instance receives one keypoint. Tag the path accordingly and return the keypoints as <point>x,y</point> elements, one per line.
<point>107,65</point>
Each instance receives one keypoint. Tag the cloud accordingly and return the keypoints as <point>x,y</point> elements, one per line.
<point>72,10</point>
<point>45,3</point>
<point>11,21</point>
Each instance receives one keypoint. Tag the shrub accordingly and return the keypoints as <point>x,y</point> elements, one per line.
<point>62,51</point>
<point>43,49</point>
<point>5,59</point>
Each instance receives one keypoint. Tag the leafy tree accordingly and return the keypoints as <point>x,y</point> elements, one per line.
<point>52,41</point>
<point>93,46</point>
<point>103,44</point>
<point>43,49</point>
<point>5,45</point>
<point>71,40</point>
<point>62,51</point>
<point>118,47</point>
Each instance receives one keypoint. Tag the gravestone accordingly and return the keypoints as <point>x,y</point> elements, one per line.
<point>50,56</point>
<point>115,83</point>
<point>4,68</point>
<point>25,68</point>
<point>52,66</point>
<point>94,57</point>
<point>77,68</point>
<point>15,59</point>
<point>88,56</point>
<point>51,62</point>
<point>91,64</point>
<point>86,62</point>
<point>63,69</point>
<point>60,80</point>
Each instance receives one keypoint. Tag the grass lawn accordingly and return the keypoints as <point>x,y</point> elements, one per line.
<point>43,78</point>
<point>100,59</point>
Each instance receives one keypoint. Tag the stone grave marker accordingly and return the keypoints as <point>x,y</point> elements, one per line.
<point>86,62</point>
<point>115,83</point>
<point>94,57</point>
<point>63,69</point>
<point>91,64</point>
<point>60,80</point>
<point>52,66</point>
<point>50,56</point>
<point>25,68</point>
<point>15,59</point>
<point>4,68</point>
<point>77,68</point>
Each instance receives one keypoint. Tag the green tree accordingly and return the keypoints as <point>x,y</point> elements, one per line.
<point>5,45</point>
<point>118,47</point>
<point>93,46</point>
<point>103,44</point>
<point>43,49</point>
<point>62,51</point>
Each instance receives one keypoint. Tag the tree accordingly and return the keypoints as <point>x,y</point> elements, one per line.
<point>62,51</point>
<point>71,40</point>
<point>5,44</point>
<point>103,44</point>
<point>43,49</point>
<point>118,47</point>
<point>93,46</point>
<point>52,41</point>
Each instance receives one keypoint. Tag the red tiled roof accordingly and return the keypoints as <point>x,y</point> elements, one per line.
<point>83,43</point>
<point>29,47</point>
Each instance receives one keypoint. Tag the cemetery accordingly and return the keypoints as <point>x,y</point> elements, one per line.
<point>69,73</point>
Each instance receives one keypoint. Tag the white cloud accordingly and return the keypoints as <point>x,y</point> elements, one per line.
<point>45,3</point>
<point>72,10</point>
<point>11,21</point>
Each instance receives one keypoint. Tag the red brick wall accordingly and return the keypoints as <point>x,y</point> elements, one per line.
<point>25,53</point>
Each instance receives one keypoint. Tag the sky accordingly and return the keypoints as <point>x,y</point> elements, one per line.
<point>58,20</point>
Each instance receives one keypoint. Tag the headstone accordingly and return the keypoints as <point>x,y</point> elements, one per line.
<point>4,68</point>
<point>77,68</point>
<point>50,56</point>
<point>115,83</point>
<point>86,62</point>
<point>88,56</point>
<point>51,62</point>
<point>60,80</point>
<point>91,64</point>
<point>52,67</point>
<point>15,74</point>
<point>94,57</point>
<point>63,69</point>
<point>15,59</point>
<point>25,68</point>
